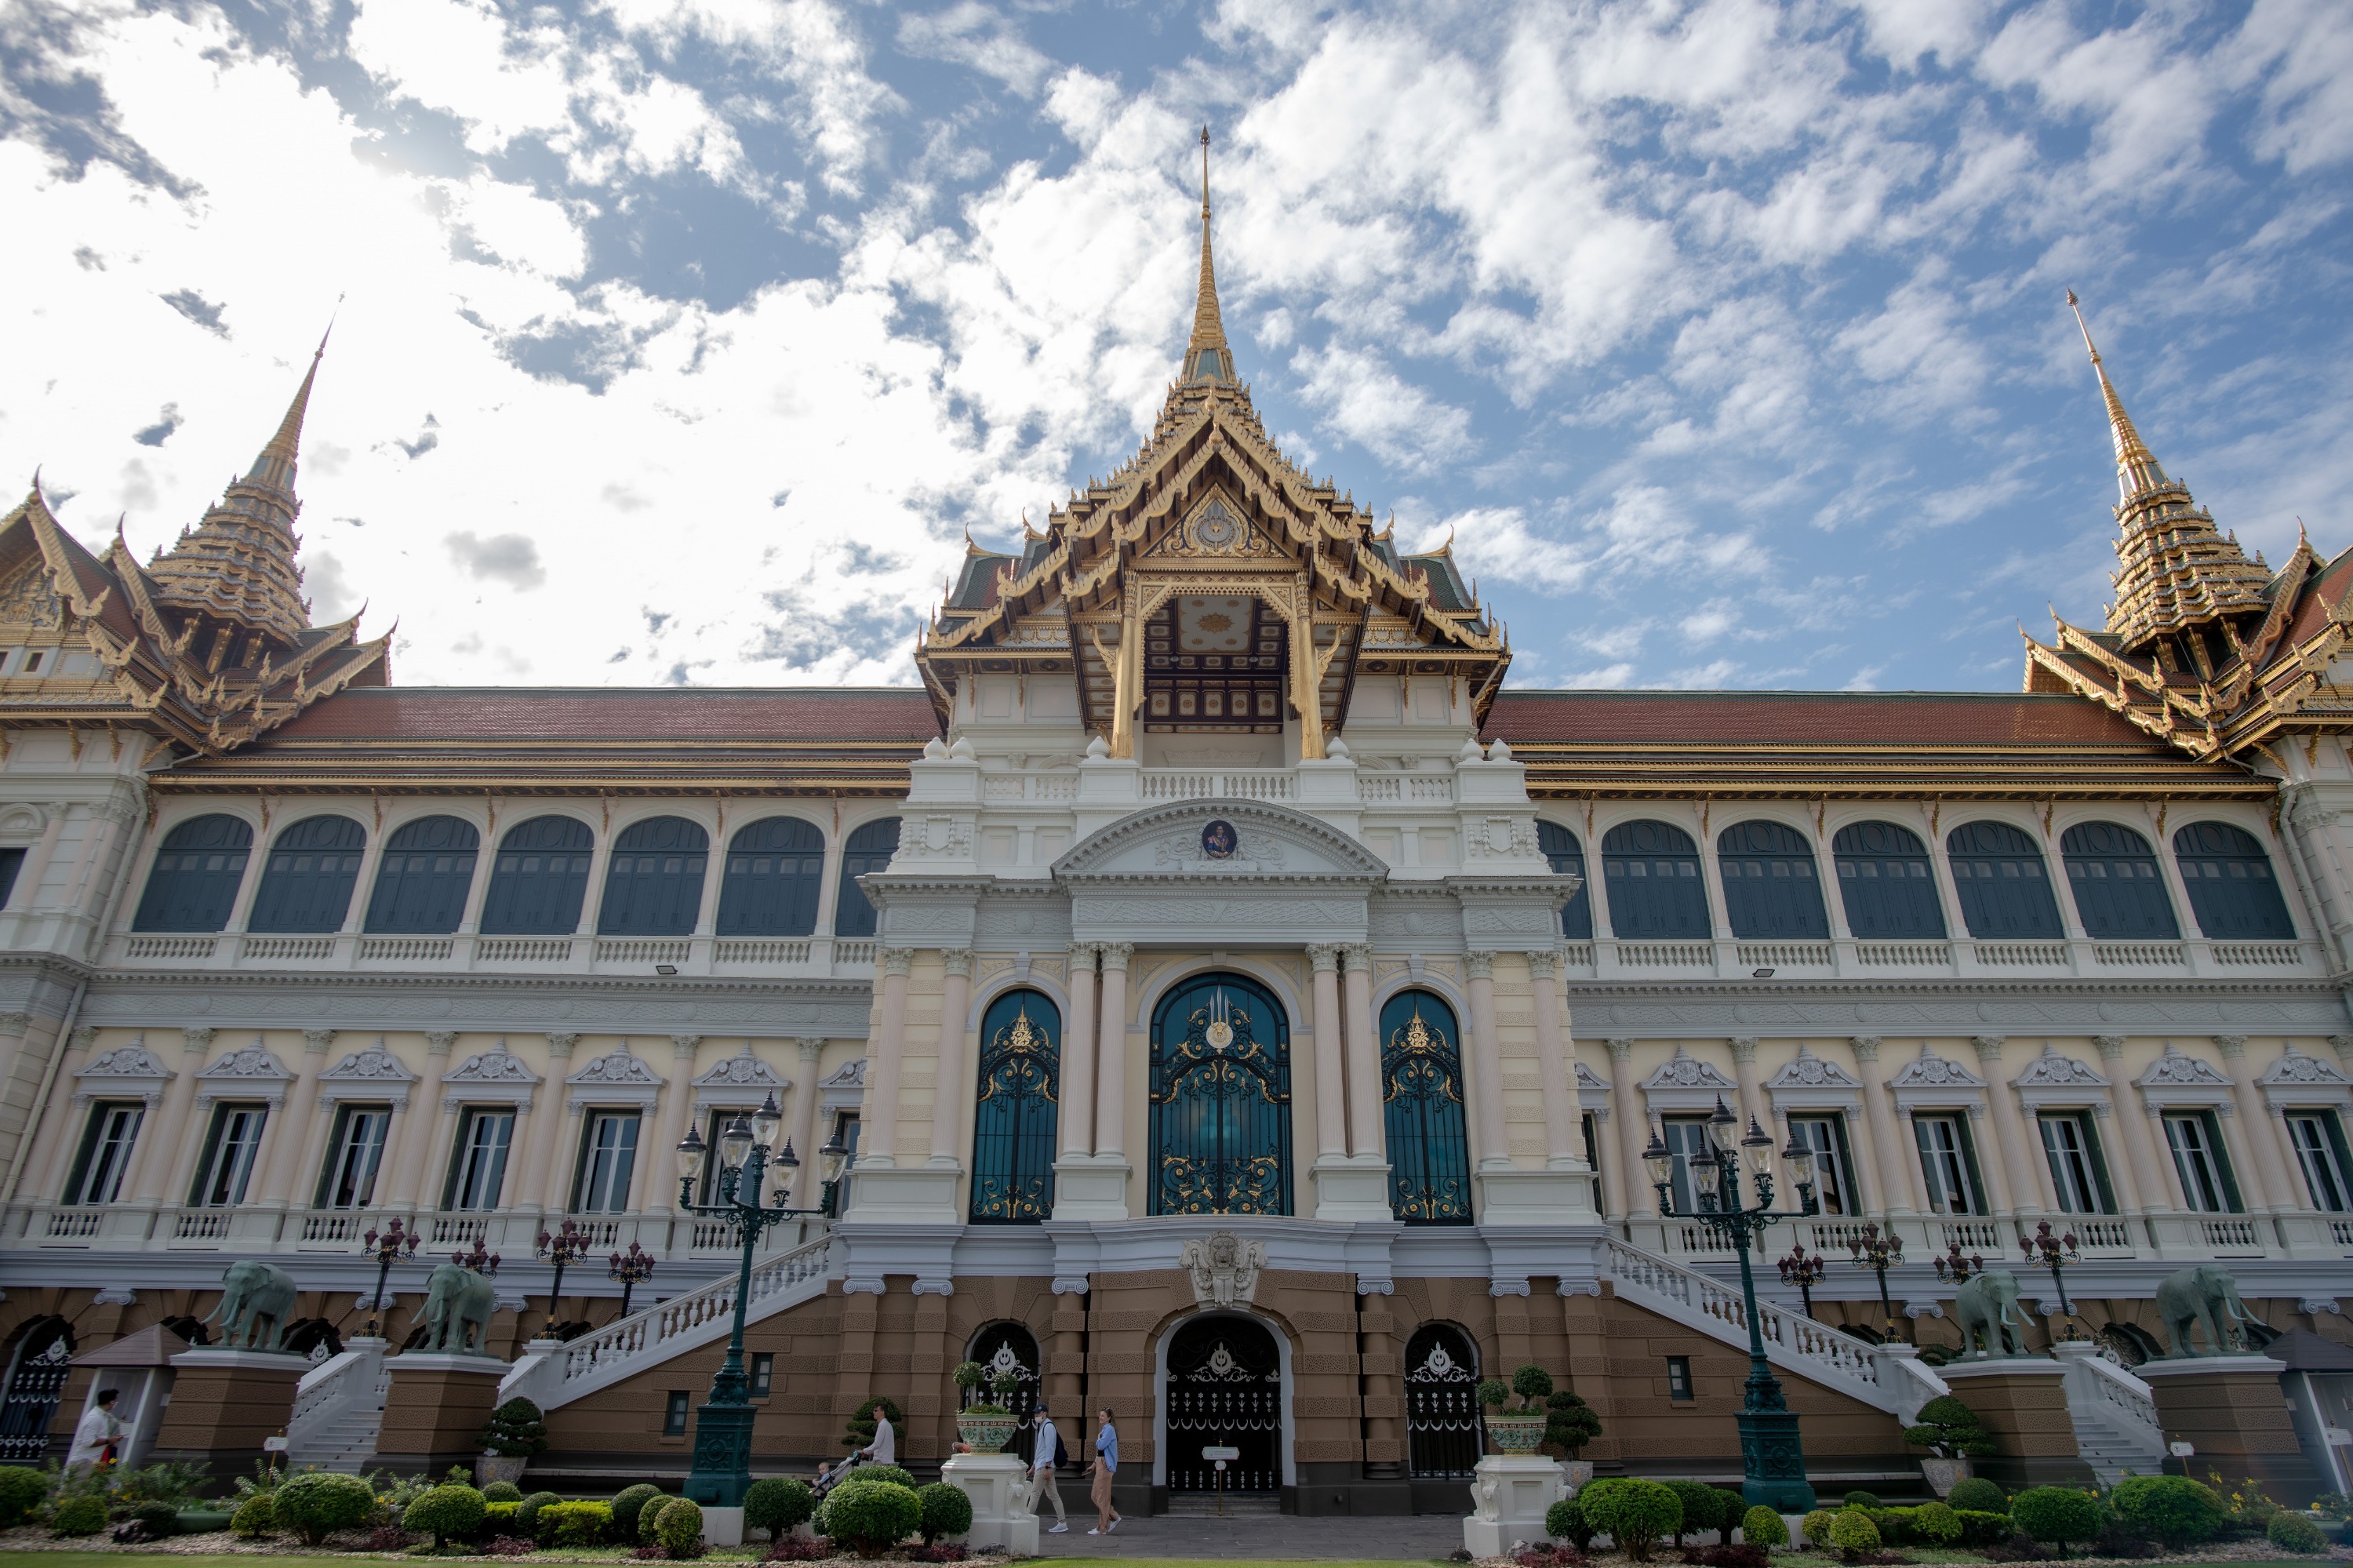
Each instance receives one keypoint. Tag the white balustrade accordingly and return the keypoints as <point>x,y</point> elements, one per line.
<point>2023,955</point>
<point>1667,955</point>
<point>643,949</point>
<point>1792,1341</point>
<point>2258,955</point>
<point>1219,784</point>
<point>2140,955</point>
<point>1904,955</point>
<point>523,950</point>
<point>406,950</point>
<point>283,949</point>
<point>762,950</point>
<point>169,946</point>
<point>1783,955</point>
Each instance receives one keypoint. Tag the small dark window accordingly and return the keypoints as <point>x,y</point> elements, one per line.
<point>764,1373</point>
<point>2004,891</point>
<point>197,872</point>
<point>1679,1384</point>
<point>2119,892</point>
<point>306,883</point>
<point>1886,884</point>
<point>1770,890</point>
<point>1655,889</point>
<point>12,861</point>
<point>2232,889</point>
<point>775,871</point>
<point>539,879</point>
<point>674,1412</point>
<point>654,885</point>
<point>1568,856</point>
<point>869,848</point>
<point>422,882</point>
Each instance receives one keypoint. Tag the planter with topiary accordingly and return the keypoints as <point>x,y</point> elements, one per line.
<point>988,1425</point>
<point>1516,1418</point>
<point>1951,1432</point>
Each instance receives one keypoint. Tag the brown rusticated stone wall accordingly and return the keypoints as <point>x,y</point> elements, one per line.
<point>2026,1415</point>
<point>2239,1424</point>
<point>219,1415</point>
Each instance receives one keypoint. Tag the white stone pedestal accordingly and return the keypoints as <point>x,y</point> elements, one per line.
<point>723,1526</point>
<point>998,1486</point>
<point>1509,1497</point>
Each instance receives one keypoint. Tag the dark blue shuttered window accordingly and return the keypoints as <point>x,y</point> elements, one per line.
<point>306,883</point>
<point>1889,887</point>
<point>1014,1120</point>
<point>1655,890</point>
<point>869,848</point>
<point>1566,855</point>
<point>539,879</point>
<point>1220,1090</point>
<point>776,870</point>
<point>422,882</point>
<point>1421,1096</point>
<point>654,885</point>
<point>193,885</point>
<point>2119,892</point>
<point>1770,888</point>
<point>2004,891</point>
<point>2232,889</point>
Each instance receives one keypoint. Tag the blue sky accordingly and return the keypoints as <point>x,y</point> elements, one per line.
<point>685,341</point>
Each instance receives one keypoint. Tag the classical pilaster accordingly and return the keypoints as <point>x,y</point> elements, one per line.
<point>678,1103</point>
<point>877,1144</point>
<point>1111,1054</point>
<point>1364,1055</point>
<point>1556,1067</point>
<point>2257,1135</point>
<point>56,1128</point>
<point>1633,1132</point>
<point>949,1090</point>
<point>2133,1128</point>
<point>1887,1151</point>
<point>1485,1067</point>
<point>1744,1073</point>
<point>540,1131</point>
<point>164,1162</point>
<point>1351,1186</point>
<point>2013,1147</point>
<point>810,1180</point>
<point>1331,1083</point>
<point>1076,1125</point>
<point>289,1140</point>
<point>421,1127</point>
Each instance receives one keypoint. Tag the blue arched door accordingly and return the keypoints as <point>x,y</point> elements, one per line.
<point>1421,1111</point>
<point>1014,1116</point>
<point>1220,1099</point>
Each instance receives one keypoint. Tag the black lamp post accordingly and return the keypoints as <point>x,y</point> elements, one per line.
<point>481,1262</point>
<point>1955,1269</point>
<point>722,1433</point>
<point>632,1268</point>
<point>2044,1250</point>
<point>391,1247</point>
<point>1772,1462</point>
<point>1805,1272</point>
<point>1878,1254</point>
<point>563,1248</point>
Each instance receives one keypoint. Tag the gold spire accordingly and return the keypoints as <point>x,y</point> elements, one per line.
<point>1207,358</point>
<point>2136,468</point>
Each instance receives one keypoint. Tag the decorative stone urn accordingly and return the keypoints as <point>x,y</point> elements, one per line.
<point>1577,1473</point>
<point>1943,1475</point>
<point>987,1434</point>
<point>499,1467</point>
<point>1515,1432</point>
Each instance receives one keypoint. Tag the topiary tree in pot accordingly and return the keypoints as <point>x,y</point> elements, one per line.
<point>1953,1436</point>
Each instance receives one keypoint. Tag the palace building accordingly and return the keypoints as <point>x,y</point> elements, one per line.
<point>1235,1004</point>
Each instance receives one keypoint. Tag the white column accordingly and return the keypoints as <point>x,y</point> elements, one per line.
<point>1744,1069</point>
<point>1485,1067</point>
<point>949,1091</point>
<point>289,1129</point>
<point>2014,1146</point>
<point>364,888</point>
<point>1556,1067</point>
<point>1076,1129</point>
<point>1331,1084</point>
<point>249,886</point>
<point>55,1130</point>
<point>418,1126</point>
<point>2132,1129</point>
<point>1364,1056</point>
<point>1891,1161</point>
<point>877,1144</point>
<point>544,1115</point>
<point>1635,1195</point>
<point>679,1092</point>
<point>2256,1131</point>
<point>811,1179</point>
<point>486,861</point>
<point>169,1138</point>
<point>1111,1054</point>
<point>593,900</point>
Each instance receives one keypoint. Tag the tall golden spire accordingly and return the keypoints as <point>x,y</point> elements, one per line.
<point>1206,357</point>
<point>2136,468</point>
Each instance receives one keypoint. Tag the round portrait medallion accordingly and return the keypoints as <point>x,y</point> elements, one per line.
<point>1218,839</point>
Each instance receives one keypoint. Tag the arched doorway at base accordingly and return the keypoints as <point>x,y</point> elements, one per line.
<point>1224,1390</point>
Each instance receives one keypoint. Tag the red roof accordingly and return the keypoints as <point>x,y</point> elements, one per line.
<point>1933,719</point>
<point>537,712</point>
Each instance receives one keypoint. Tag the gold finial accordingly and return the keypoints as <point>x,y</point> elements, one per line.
<point>1206,357</point>
<point>2136,468</point>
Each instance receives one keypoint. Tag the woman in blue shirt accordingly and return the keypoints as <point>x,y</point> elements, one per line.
<point>1106,1465</point>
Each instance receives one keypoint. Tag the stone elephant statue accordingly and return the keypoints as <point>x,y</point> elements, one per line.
<point>1987,1303</point>
<point>457,1300</point>
<point>254,1293</point>
<point>2205,1293</point>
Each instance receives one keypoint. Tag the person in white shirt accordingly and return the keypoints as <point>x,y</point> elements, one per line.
<point>884,1449</point>
<point>98,1429</point>
<point>1041,1472</point>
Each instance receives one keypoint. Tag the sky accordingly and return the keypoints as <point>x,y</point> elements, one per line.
<point>687,341</point>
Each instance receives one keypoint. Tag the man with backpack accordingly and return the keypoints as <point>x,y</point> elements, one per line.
<point>1043,1456</point>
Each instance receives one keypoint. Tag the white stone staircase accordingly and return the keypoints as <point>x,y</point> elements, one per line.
<point>339,1408</point>
<point>551,1376</point>
<point>2113,1413</point>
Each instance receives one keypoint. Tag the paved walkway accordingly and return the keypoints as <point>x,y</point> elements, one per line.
<point>1260,1535</point>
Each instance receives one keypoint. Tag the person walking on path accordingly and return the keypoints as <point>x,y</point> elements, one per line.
<point>1041,1472</point>
<point>884,1449</point>
<point>1106,1466</point>
<point>98,1431</point>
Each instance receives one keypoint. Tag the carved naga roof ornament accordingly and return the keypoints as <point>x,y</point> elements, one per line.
<point>1210,506</point>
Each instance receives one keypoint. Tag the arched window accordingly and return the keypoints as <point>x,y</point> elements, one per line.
<point>539,878</point>
<point>2119,892</point>
<point>775,869</point>
<point>197,871</point>
<point>1444,1436</point>
<point>1566,855</point>
<point>1770,890</point>
<point>2004,893</point>
<point>1655,891</point>
<point>422,882</point>
<point>36,1379</point>
<point>869,848</point>
<point>2232,889</point>
<point>1008,1350</point>
<point>306,883</point>
<point>1888,886</point>
<point>1014,1121</point>
<point>654,885</point>
<point>1422,1094</point>
<point>1221,1095</point>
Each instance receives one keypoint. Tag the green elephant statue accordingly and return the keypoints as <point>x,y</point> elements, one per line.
<point>1986,1306</point>
<point>2202,1294</point>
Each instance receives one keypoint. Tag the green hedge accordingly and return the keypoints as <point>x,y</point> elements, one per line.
<point>1760,1526</point>
<point>2056,1514</point>
<point>1974,1492</point>
<point>870,1517</point>
<point>778,1504</point>
<point>22,1491</point>
<point>1633,1513</point>
<point>317,1503</point>
<point>84,1515</point>
<point>628,1501</point>
<point>445,1512</point>
<point>2173,1511</point>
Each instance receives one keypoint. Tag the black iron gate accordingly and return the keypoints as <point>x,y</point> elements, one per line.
<point>1225,1391</point>
<point>1011,1348</point>
<point>1443,1437</point>
<point>1220,1100</point>
<point>43,1358</point>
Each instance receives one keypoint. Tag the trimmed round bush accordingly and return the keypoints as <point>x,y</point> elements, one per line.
<point>1862,1500</point>
<point>2171,1509</point>
<point>1633,1513</point>
<point>1815,1526</point>
<point>1760,1526</point>
<point>84,1515</point>
<point>2056,1514</point>
<point>891,1473</point>
<point>1566,1520</point>
<point>629,1500</point>
<point>317,1503</point>
<point>1980,1529</point>
<point>678,1530</point>
<point>870,1517</point>
<point>527,1510</point>
<point>1852,1532</point>
<point>254,1517</point>
<point>1937,1523</point>
<point>1978,1494</point>
<point>1700,1510</point>
<point>777,1505</point>
<point>502,1492</point>
<point>2294,1532</point>
<point>947,1511</point>
<point>446,1510</point>
<point>22,1491</point>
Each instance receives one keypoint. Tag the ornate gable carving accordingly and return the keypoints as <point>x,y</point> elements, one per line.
<point>741,1080</point>
<point>1930,1071</point>
<point>373,1073</point>
<point>2052,1071</point>
<point>124,1071</point>
<point>1808,1071</point>
<point>243,1074</point>
<point>495,1077</point>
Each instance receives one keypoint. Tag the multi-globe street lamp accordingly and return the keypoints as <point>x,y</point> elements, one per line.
<point>1805,1271</point>
<point>563,1248</point>
<point>1879,1254</point>
<point>394,1246</point>
<point>1773,1463</point>
<point>630,1269</point>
